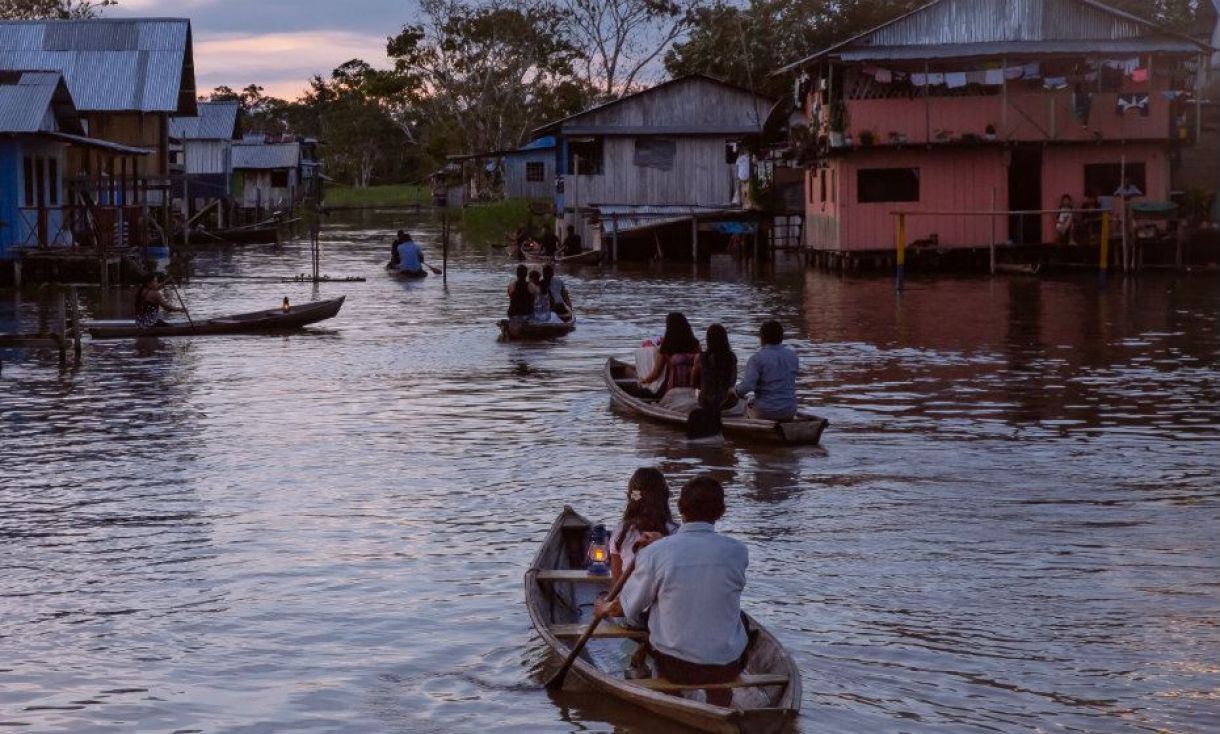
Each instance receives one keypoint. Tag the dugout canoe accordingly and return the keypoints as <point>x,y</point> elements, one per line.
<point>587,257</point>
<point>625,392</point>
<point>527,329</point>
<point>559,595</point>
<point>273,319</point>
<point>406,274</point>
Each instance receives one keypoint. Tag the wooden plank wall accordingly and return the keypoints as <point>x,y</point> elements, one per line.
<point>700,176</point>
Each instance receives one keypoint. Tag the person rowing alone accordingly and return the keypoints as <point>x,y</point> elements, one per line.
<point>410,256</point>
<point>150,302</point>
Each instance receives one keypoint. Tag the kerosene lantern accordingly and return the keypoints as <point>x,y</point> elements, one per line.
<point>599,554</point>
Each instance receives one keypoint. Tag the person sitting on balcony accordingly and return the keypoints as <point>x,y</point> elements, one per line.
<point>150,302</point>
<point>1065,221</point>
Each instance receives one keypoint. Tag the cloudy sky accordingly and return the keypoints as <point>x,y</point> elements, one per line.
<point>278,43</point>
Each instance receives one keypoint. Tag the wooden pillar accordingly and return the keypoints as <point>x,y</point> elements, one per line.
<point>901,246</point>
<point>1103,260</point>
<point>991,248</point>
<point>614,238</point>
<point>694,239</point>
<point>1004,99</point>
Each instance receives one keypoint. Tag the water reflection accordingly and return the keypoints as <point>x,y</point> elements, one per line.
<point>1010,525</point>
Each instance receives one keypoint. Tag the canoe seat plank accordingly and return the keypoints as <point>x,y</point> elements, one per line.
<point>605,629</point>
<point>744,681</point>
<point>575,576</point>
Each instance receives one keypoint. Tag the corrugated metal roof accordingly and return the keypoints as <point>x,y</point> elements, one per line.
<point>1018,48</point>
<point>36,101</point>
<point>264,156</point>
<point>110,65</point>
<point>1038,26</point>
<point>215,121</point>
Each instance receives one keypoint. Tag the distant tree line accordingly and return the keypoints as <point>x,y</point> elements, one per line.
<point>480,75</point>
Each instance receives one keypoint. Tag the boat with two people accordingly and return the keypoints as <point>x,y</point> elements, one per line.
<point>539,306</point>
<point>560,593</point>
<point>407,259</point>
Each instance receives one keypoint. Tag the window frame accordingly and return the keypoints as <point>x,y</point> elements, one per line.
<point>535,172</point>
<point>894,191</point>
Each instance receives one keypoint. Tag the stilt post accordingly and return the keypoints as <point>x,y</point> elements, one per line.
<point>901,245</point>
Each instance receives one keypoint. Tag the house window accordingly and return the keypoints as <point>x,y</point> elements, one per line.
<point>535,172</point>
<point>655,153</point>
<point>877,185</point>
<point>279,179</point>
<point>809,177</point>
<point>585,156</point>
<point>822,179</point>
<point>27,171</point>
<point>1105,179</point>
<point>832,186</point>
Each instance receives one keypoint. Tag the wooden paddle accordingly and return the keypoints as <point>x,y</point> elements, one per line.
<point>178,294</point>
<point>435,270</point>
<point>556,681</point>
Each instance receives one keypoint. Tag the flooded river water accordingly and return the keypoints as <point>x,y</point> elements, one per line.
<point>1011,524</point>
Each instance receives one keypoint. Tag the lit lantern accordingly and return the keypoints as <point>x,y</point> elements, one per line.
<point>599,554</point>
<point>286,306</point>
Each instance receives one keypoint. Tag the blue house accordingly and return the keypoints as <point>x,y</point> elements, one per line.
<point>37,122</point>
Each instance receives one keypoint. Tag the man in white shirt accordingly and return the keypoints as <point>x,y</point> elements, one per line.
<point>690,583</point>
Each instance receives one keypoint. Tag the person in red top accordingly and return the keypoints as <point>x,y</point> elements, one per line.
<point>678,357</point>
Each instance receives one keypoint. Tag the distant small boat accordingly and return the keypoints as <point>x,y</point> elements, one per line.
<point>624,386</point>
<point>234,236</point>
<point>514,329</point>
<point>273,319</point>
<point>559,593</point>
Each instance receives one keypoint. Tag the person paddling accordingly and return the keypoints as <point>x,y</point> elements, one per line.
<point>690,583</point>
<point>771,376</point>
<point>410,256</point>
<point>520,297</point>
<point>149,303</point>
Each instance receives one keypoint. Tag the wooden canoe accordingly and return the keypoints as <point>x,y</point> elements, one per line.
<point>625,392</point>
<point>518,329</point>
<point>559,596</point>
<point>406,274</point>
<point>273,319</point>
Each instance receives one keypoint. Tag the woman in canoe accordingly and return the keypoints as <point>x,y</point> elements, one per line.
<point>520,296</point>
<point>677,356</point>
<point>150,302</point>
<point>716,370</point>
<point>646,518</point>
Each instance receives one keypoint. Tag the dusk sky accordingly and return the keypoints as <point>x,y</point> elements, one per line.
<point>278,43</point>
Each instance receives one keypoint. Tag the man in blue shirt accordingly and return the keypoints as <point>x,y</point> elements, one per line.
<point>410,255</point>
<point>771,376</point>
<point>690,583</point>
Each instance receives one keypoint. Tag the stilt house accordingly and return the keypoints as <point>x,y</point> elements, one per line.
<point>656,172</point>
<point>126,78</point>
<point>205,145</point>
<point>980,105</point>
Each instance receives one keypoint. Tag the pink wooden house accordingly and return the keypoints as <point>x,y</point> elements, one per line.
<point>966,104</point>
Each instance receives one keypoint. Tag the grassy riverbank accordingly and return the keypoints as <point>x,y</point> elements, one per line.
<point>351,197</point>
<point>492,221</point>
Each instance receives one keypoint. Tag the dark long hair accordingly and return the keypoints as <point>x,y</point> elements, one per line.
<point>647,504</point>
<point>149,279</point>
<point>718,351</point>
<point>679,337</point>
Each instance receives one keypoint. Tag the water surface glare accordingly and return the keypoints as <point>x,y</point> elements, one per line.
<point>1011,525</point>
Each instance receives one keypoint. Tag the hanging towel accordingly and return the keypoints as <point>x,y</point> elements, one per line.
<point>936,78</point>
<point>955,79</point>
<point>1055,82</point>
<point>976,77</point>
<point>1171,95</point>
<point>1128,102</point>
<point>1012,72</point>
<point>1032,70</point>
<point>884,76</point>
<point>1139,75</point>
<point>919,78</point>
<point>993,77</point>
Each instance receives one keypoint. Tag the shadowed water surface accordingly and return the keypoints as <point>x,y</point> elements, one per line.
<point>1011,525</point>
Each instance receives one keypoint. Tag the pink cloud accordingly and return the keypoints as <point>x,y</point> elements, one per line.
<point>280,62</point>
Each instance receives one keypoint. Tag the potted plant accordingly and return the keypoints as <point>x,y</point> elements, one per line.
<point>989,133</point>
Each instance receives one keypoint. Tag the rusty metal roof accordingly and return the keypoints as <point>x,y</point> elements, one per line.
<point>995,27</point>
<point>265,156</point>
<point>110,65</point>
<point>215,121</point>
<point>36,101</point>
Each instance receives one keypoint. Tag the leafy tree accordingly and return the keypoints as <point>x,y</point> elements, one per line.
<point>621,40</point>
<point>62,9</point>
<point>477,77</point>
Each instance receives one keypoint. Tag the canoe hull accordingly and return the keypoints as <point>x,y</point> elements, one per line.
<point>589,257</point>
<point>513,330</point>
<point>805,430</point>
<point>564,548</point>
<point>249,323</point>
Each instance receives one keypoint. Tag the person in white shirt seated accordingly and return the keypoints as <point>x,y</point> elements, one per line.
<point>690,583</point>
